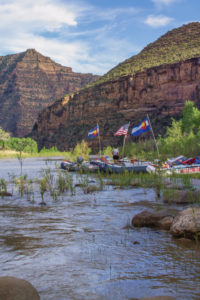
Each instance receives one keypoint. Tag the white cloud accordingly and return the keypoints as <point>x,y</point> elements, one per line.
<point>164,2</point>
<point>72,33</point>
<point>111,14</point>
<point>36,15</point>
<point>157,21</point>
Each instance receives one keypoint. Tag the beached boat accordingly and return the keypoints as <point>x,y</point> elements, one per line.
<point>85,166</point>
<point>182,165</point>
<point>137,167</point>
<point>186,169</point>
<point>95,166</point>
<point>69,166</point>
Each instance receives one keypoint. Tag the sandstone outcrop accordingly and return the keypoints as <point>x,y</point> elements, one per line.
<point>159,91</point>
<point>29,82</point>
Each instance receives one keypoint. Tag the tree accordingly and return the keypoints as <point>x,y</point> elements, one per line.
<point>4,136</point>
<point>190,118</point>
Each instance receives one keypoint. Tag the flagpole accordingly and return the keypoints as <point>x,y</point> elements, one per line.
<point>125,136</point>
<point>153,135</point>
<point>99,141</point>
<point>123,145</point>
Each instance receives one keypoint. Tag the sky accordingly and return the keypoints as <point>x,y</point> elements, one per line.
<point>91,36</point>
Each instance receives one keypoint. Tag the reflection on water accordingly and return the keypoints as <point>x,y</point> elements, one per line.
<point>81,247</point>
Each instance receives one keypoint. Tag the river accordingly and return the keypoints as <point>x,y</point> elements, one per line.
<point>82,247</point>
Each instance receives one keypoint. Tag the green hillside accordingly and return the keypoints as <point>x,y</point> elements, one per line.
<point>176,45</point>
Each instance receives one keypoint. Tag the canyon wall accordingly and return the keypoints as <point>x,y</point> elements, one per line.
<point>29,82</point>
<point>159,92</point>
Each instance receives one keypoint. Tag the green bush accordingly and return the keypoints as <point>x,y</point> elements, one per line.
<point>81,149</point>
<point>50,150</point>
<point>27,145</point>
<point>107,151</point>
<point>183,136</point>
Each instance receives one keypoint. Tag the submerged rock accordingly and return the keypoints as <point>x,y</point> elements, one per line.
<point>91,189</point>
<point>5,194</point>
<point>187,224</point>
<point>181,196</point>
<point>12,288</point>
<point>161,219</point>
<point>159,298</point>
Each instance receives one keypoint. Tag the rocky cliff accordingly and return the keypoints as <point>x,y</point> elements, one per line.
<point>159,91</point>
<point>29,82</point>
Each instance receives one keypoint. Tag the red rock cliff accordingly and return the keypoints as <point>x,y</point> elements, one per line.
<point>29,82</point>
<point>159,91</point>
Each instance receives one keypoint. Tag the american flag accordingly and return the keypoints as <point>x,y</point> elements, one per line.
<point>123,130</point>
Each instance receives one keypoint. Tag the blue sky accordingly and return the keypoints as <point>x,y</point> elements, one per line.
<point>91,36</point>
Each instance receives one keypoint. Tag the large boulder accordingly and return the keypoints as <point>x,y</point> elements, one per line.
<point>161,219</point>
<point>12,288</point>
<point>187,224</point>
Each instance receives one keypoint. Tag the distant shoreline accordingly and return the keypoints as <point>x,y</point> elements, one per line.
<point>14,154</point>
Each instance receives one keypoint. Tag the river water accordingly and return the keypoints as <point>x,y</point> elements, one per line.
<point>82,247</point>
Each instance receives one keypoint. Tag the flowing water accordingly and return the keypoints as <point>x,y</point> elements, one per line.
<point>80,247</point>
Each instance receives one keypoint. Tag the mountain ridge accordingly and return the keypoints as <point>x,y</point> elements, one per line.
<point>177,44</point>
<point>29,82</point>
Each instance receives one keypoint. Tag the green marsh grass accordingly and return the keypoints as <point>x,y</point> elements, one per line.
<point>83,182</point>
<point>21,184</point>
<point>43,188</point>
<point>135,179</point>
<point>3,187</point>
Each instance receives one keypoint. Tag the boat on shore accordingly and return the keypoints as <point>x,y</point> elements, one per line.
<point>95,166</point>
<point>182,165</point>
<point>191,169</point>
<point>136,167</point>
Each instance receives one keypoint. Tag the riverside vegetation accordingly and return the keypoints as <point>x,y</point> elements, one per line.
<point>182,138</point>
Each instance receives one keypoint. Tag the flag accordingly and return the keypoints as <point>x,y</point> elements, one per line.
<point>94,132</point>
<point>123,130</point>
<point>144,126</point>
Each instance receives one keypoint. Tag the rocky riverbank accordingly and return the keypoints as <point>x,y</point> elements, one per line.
<point>182,224</point>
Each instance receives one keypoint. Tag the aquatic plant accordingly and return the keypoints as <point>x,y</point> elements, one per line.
<point>29,189</point>
<point>100,180</point>
<point>43,188</point>
<point>83,182</point>
<point>21,183</point>
<point>62,184</point>
<point>69,180</point>
<point>3,187</point>
<point>48,178</point>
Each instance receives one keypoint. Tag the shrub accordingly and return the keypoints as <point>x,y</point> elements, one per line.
<point>81,149</point>
<point>27,145</point>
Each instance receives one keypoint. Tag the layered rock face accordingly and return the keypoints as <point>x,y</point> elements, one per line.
<point>29,82</point>
<point>159,91</point>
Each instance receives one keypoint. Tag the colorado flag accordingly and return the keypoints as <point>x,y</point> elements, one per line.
<point>93,132</point>
<point>144,126</point>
